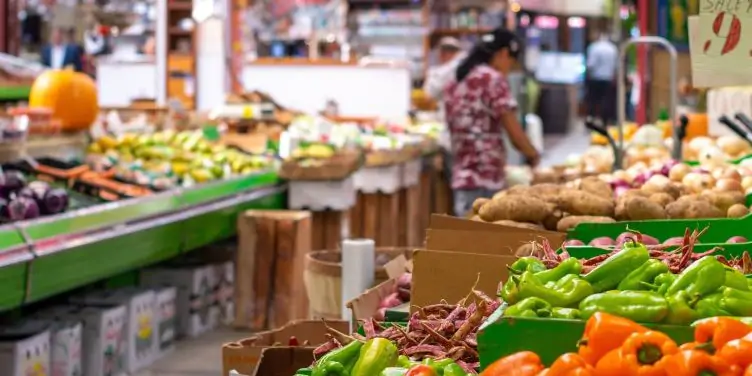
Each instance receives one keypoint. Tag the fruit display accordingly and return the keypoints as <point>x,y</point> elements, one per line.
<point>168,159</point>
<point>20,200</point>
<point>613,345</point>
<point>51,90</point>
<point>648,286</point>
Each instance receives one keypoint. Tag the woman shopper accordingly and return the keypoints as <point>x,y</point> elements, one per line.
<point>479,108</point>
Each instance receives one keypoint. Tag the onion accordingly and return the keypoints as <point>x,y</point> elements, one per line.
<point>678,240</point>
<point>623,237</point>
<point>621,190</point>
<point>622,175</point>
<point>405,280</point>
<point>678,172</point>
<point>649,240</point>
<point>573,243</point>
<point>666,169</point>
<point>729,185</point>
<point>603,241</point>
<point>392,300</point>
<point>732,173</point>
<point>747,182</point>
<point>736,239</point>
<point>697,183</point>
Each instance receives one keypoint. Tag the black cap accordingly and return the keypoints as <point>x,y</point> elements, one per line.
<point>500,39</point>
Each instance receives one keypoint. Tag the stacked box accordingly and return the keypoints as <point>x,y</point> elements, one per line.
<point>105,339</point>
<point>166,321</point>
<point>25,349</point>
<point>66,339</point>
<point>141,327</point>
<point>225,291</point>
<point>196,313</point>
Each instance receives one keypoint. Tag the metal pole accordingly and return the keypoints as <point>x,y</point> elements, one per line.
<point>621,89</point>
<point>616,20</point>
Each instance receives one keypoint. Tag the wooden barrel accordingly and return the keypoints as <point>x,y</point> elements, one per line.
<point>323,279</point>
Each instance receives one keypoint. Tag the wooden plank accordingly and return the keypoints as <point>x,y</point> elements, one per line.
<point>415,213</point>
<point>371,215</point>
<point>333,229</point>
<point>388,215</point>
<point>356,217</point>
<point>293,242</point>
<point>263,277</point>
<point>318,232</point>
<point>245,264</point>
<point>402,218</point>
<point>426,199</point>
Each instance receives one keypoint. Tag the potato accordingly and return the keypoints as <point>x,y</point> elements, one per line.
<point>583,203</point>
<point>737,211</point>
<point>572,221</point>
<point>550,222</point>
<point>677,208</point>
<point>478,203</point>
<point>517,208</point>
<point>724,200</point>
<point>476,218</point>
<point>527,249</point>
<point>661,199</point>
<point>597,187</point>
<point>702,209</point>
<point>640,208</point>
<point>529,226</point>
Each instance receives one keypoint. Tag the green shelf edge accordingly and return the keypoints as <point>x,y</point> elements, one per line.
<point>8,93</point>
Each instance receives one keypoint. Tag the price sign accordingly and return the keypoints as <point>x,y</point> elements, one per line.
<point>721,44</point>
<point>247,112</point>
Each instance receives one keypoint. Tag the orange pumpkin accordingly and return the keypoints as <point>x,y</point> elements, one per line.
<point>72,97</point>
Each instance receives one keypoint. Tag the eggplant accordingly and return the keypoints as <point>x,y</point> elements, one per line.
<point>54,201</point>
<point>22,208</point>
<point>25,192</point>
<point>12,182</point>
<point>38,189</point>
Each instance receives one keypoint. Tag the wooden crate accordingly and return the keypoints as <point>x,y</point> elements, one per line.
<point>378,218</point>
<point>442,197</point>
<point>426,196</point>
<point>270,263</point>
<point>330,227</point>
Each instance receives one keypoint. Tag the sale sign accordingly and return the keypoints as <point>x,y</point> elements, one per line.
<point>721,46</point>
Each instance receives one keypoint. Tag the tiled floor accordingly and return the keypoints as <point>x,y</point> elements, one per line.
<point>196,357</point>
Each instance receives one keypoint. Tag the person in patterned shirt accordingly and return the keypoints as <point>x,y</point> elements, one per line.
<point>479,108</point>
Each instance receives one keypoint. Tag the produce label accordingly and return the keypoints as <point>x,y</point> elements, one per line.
<point>721,44</point>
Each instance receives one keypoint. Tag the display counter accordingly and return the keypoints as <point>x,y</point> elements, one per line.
<point>119,82</point>
<point>47,256</point>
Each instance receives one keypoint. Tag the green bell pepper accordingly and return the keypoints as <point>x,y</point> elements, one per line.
<point>527,264</point>
<point>736,280</point>
<point>567,292</point>
<point>405,362</point>
<point>646,273</point>
<point>639,306</point>
<point>338,362</point>
<point>454,369</point>
<point>611,272</point>
<point>394,371</point>
<point>437,365</point>
<point>304,372</point>
<point>509,291</point>
<point>736,302</point>
<point>662,282</point>
<point>703,277</point>
<point>566,267</point>
<point>681,309</point>
<point>710,306</point>
<point>375,356</point>
<point>529,307</point>
<point>565,313</point>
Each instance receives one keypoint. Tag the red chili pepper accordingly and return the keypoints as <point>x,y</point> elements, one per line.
<point>421,370</point>
<point>293,342</point>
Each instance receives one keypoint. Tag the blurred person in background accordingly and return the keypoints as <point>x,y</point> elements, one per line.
<point>60,53</point>
<point>437,79</point>
<point>480,107</point>
<point>602,60</point>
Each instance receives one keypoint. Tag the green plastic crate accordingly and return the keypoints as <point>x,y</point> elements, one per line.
<point>728,250</point>
<point>719,230</point>
<point>549,338</point>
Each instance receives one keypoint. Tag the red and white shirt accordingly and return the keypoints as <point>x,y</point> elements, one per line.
<point>473,109</point>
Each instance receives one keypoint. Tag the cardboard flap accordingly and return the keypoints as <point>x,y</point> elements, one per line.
<point>396,267</point>
<point>449,276</point>
<point>367,304</point>
<point>485,242</point>
<point>283,361</point>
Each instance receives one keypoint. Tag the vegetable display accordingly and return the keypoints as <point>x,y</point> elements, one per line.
<point>400,296</point>
<point>615,346</point>
<point>634,282</point>
<point>20,201</point>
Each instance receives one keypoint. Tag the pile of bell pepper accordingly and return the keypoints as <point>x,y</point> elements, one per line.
<point>377,357</point>
<point>628,284</point>
<point>615,346</point>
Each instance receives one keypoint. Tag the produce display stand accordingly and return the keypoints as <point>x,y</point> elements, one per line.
<point>376,213</point>
<point>51,255</point>
<point>330,203</point>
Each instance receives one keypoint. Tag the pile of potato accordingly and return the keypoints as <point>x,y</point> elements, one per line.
<point>560,207</point>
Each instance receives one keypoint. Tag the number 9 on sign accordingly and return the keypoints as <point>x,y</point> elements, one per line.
<point>726,33</point>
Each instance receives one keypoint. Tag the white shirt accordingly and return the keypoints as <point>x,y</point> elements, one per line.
<point>602,57</point>
<point>57,57</point>
<point>437,79</point>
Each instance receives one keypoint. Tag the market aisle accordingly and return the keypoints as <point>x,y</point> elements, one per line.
<point>196,357</point>
<point>556,148</point>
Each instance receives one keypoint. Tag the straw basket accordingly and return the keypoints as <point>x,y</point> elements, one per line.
<point>323,279</point>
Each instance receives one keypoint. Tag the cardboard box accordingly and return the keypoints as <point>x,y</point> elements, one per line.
<point>225,291</point>
<point>243,356</point>
<point>367,304</point>
<point>450,276</point>
<point>196,313</point>
<point>24,349</point>
<point>461,235</point>
<point>270,263</point>
<point>283,361</point>
<point>141,322</point>
<point>66,339</point>
<point>166,319</point>
<point>105,339</point>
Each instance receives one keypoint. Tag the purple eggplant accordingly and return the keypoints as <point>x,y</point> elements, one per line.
<point>54,201</point>
<point>39,189</point>
<point>23,208</point>
<point>12,182</point>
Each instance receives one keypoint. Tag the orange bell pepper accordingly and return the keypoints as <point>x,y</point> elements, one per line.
<point>717,331</point>
<point>570,364</point>
<point>748,371</point>
<point>524,363</point>
<point>638,356</point>
<point>603,333</point>
<point>737,352</point>
<point>697,363</point>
